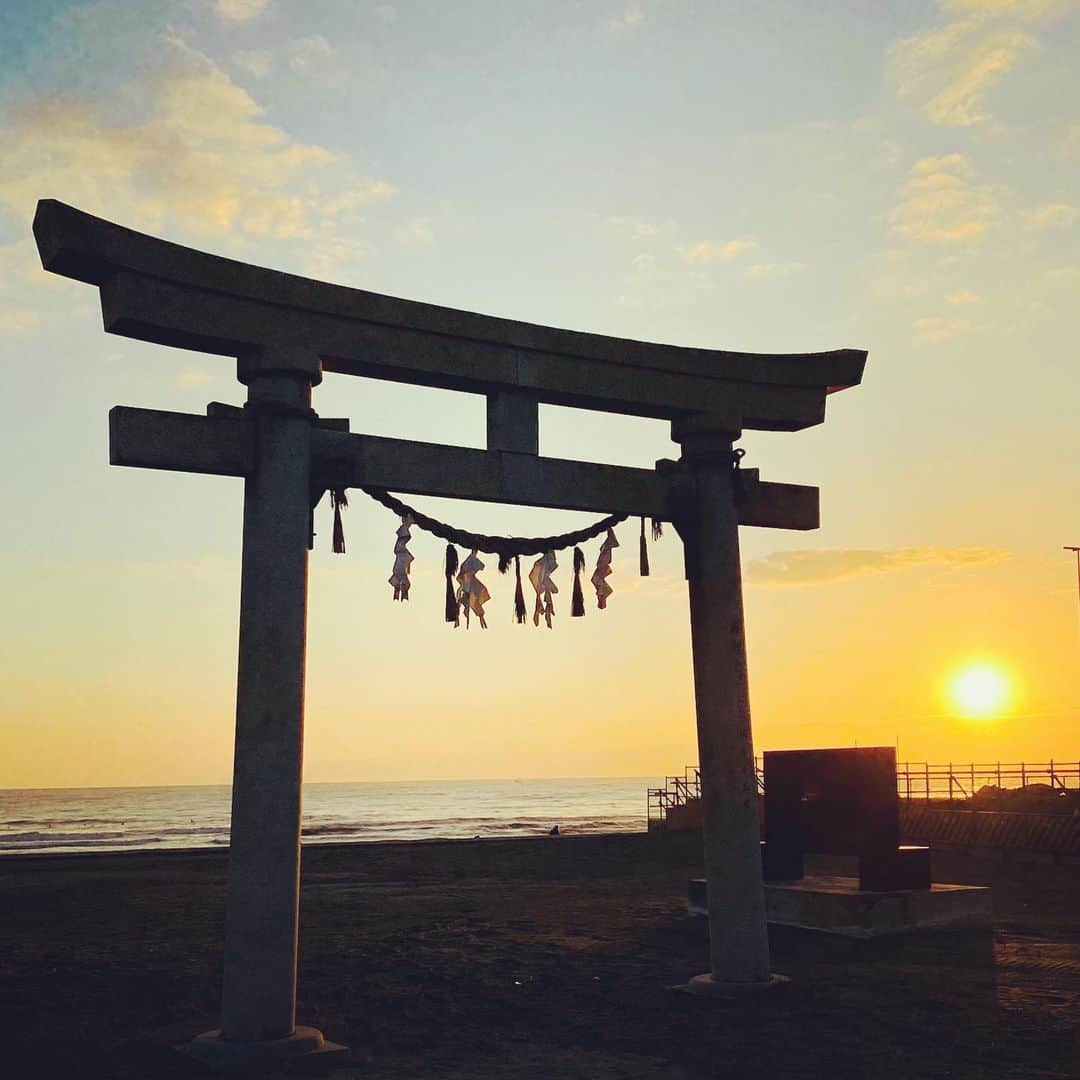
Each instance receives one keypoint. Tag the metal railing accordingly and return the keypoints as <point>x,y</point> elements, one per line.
<point>921,780</point>
<point>914,780</point>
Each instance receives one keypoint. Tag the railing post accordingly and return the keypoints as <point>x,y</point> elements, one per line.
<point>1052,784</point>
<point>999,774</point>
<point>1023,774</point>
<point>926,765</point>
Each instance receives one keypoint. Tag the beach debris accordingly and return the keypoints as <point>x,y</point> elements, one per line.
<point>554,831</point>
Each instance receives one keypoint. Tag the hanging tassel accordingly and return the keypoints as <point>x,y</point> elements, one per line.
<point>657,529</point>
<point>452,608</point>
<point>339,500</point>
<point>644,551</point>
<point>520,611</point>
<point>403,560</point>
<point>577,600</point>
<point>505,558</point>
<point>603,570</point>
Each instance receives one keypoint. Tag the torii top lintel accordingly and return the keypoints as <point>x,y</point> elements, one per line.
<point>158,291</point>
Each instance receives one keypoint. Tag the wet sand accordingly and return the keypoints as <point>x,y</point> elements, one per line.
<point>529,959</point>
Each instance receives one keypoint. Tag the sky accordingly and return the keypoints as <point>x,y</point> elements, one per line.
<point>774,176</point>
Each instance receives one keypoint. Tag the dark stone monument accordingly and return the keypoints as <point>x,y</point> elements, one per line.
<point>838,802</point>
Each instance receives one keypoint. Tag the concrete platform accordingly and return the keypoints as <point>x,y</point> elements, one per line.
<point>304,1051</point>
<point>836,905</point>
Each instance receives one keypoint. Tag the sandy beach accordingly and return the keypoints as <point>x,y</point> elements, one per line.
<point>528,959</point>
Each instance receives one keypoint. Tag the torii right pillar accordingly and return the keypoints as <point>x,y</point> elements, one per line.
<point>709,525</point>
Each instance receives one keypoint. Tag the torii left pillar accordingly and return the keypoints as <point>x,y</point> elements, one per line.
<point>258,1010</point>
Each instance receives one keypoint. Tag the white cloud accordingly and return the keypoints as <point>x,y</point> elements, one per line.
<point>204,156</point>
<point>308,52</point>
<point>934,329</point>
<point>707,251</point>
<point>959,102</point>
<point>817,566</point>
<point>237,11</point>
<point>960,297</point>
<point>643,262</point>
<point>952,66</point>
<point>1053,216</point>
<point>629,18</point>
<point>637,228</point>
<point>416,234</point>
<point>768,271</point>
<point>1024,9</point>
<point>939,204</point>
<point>195,378</point>
<point>18,320</point>
<point>386,13</point>
<point>1069,276</point>
<point>257,62</point>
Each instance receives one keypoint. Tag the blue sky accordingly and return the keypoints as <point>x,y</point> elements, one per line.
<point>773,176</point>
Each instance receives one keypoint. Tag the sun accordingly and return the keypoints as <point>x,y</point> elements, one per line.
<point>980,690</point>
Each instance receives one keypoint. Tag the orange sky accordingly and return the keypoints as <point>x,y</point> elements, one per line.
<point>921,203</point>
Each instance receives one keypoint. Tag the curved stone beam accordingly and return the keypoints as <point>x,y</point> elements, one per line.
<point>159,291</point>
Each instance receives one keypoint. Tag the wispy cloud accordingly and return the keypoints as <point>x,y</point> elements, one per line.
<point>629,17</point>
<point>237,11</point>
<point>820,566</point>
<point>1024,9</point>
<point>939,203</point>
<point>959,297</point>
<point>195,378</point>
<point>933,329</point>
<point>767,271</point>
<point>204,157</point>
<point>308,52</point>
<point>707,251</point>
<point>256,62</point>
<point>959,102</point>
<point>416,234</point>
<point>1053,216</point>
<point>952,66</point>
<point>638,228</point>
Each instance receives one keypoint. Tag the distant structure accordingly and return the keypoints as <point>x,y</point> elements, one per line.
<point>1076,551</point>
<point>283,332</point>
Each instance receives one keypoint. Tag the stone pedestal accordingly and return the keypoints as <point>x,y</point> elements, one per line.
<point>305,1049</point>
<point>836,905</point>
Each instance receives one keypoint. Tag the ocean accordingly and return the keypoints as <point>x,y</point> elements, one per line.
<point>158,818</point>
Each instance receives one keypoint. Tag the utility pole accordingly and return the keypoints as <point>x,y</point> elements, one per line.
<point>1076,551</point>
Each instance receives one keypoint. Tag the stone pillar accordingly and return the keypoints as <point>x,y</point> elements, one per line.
<point>738,941</point>
<point>258,1011</point>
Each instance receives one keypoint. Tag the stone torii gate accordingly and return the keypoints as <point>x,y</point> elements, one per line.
<point>284,332</point>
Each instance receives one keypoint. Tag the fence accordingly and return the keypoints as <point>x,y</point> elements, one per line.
<point>925,781</point>
<point>914,781</point>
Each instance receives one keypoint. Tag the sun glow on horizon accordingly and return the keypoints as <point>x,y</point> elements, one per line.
<point>980,690</point>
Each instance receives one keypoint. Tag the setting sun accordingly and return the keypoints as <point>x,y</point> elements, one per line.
<point>979,690</point>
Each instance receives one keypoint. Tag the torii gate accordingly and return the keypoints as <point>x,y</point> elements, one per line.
<point>284,332</point>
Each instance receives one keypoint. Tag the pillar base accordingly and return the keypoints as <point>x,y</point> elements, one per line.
<point>305,1049</point>
<point>707,986</point>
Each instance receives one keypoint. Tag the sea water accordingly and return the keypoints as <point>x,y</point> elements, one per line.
<point>155,818</point>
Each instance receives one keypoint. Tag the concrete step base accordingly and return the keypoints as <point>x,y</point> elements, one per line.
<point>304,1051</point>
<point>836,905</point>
